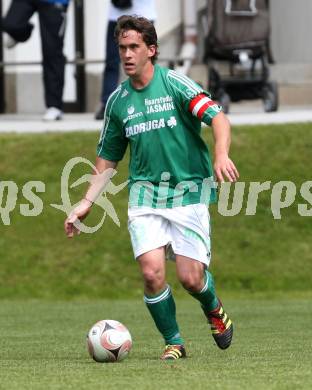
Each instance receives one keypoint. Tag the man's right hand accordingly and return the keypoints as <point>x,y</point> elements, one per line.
<point>79,213</point>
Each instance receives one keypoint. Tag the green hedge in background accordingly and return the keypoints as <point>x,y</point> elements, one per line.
<point>250,253</point>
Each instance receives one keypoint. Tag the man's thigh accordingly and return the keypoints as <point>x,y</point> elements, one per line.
<point>188,266</point>
<point>153,262</point>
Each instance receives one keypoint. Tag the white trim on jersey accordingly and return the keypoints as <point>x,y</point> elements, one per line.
<point>176,87</point>
<point>187,82</point>
<point>107,117</point>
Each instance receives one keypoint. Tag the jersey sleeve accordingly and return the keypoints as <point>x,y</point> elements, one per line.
<point>113,142</point>
<point>193,98</point>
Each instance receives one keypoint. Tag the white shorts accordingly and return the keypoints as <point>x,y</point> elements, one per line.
<point>183,230</point>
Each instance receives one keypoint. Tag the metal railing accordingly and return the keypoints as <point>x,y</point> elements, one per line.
<point>84,61</point>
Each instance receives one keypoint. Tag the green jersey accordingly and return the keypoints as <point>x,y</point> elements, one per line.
<point>169,161</point>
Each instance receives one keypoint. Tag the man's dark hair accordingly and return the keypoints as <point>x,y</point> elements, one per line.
<point>141,25</point>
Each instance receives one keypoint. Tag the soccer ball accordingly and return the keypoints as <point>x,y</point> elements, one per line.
<point>108,341</point>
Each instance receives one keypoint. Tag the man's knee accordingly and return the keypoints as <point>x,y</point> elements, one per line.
<point>153,278</point>
<point>192,281</point>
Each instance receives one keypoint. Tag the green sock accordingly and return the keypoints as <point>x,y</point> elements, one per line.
<point>163,310</point>
<point>207,296</point>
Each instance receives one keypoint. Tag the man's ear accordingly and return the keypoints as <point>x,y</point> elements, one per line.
<point>151,51</point>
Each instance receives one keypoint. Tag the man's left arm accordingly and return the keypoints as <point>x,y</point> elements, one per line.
<point>208,111</point>
<point>194,99</point>
<point>223,165</point>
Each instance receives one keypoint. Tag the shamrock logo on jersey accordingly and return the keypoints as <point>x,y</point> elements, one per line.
<point>172,122</point>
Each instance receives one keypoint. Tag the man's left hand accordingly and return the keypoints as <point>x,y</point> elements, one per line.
<point>224,166</point>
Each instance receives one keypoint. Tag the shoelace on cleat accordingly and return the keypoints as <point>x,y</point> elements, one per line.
<point>218,320</point>
<point>217,324</point>
<point>172,351</point>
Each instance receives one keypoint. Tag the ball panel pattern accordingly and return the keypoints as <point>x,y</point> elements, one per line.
<point>108,341</point>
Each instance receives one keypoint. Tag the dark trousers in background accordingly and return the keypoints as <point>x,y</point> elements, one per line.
<point>111,70</point>
<point>52,19</point>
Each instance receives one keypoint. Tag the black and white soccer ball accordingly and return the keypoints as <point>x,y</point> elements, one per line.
<point>108,341</point>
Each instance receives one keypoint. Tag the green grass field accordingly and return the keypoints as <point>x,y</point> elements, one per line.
<point>250,253</point>
<point>43,347</point>
<point>52,289</point>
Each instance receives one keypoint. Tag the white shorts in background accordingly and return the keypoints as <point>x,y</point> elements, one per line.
<point>185,230</point>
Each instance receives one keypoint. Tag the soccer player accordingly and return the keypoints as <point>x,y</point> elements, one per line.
<point>158,112</point>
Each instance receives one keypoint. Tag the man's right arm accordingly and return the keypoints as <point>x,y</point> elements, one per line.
<point>104,170</point>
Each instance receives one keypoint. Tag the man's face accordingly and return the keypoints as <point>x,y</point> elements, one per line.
<point>134,53</point>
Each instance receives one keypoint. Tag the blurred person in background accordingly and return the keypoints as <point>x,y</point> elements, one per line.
<point>52,19</point>
<point>110,76</point>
